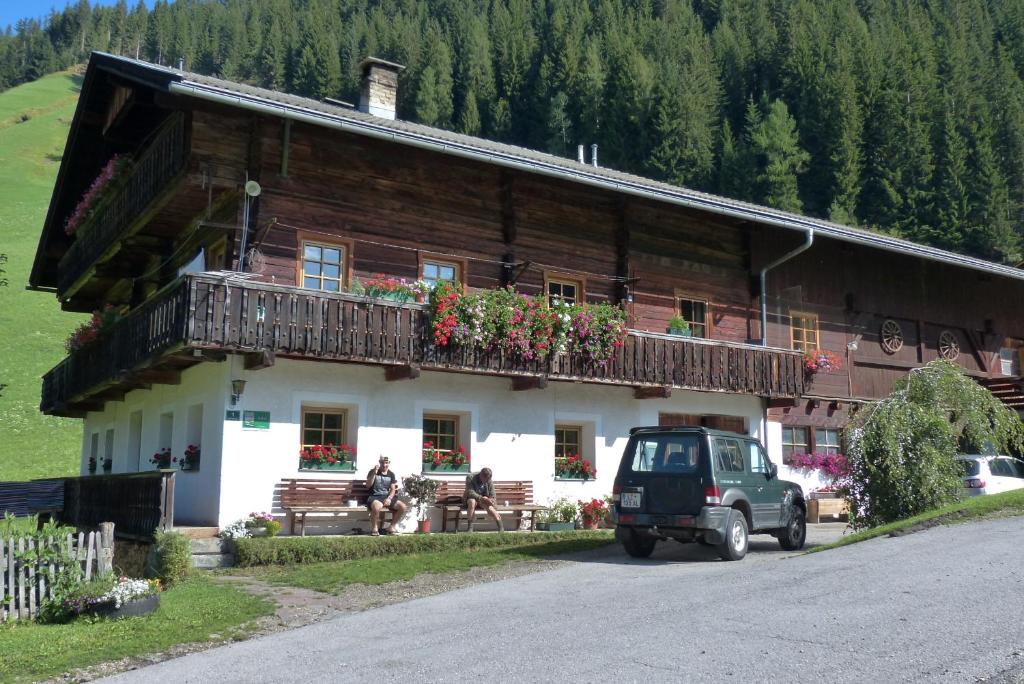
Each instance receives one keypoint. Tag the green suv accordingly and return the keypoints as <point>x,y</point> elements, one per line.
<point>712,487</point>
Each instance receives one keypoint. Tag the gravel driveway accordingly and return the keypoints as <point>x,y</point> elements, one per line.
<point>884,610</point>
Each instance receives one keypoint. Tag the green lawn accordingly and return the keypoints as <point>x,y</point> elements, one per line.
<point>992,505</point>
<point>332,577</point>
<point>32,326</point>
<point>196,610</point>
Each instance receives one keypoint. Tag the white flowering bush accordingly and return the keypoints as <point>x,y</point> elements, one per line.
<point>128,589</point>
<point>236,530</point>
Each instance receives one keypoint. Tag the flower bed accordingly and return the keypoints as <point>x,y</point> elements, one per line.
<point>574,467</point>
<point>329,457</point>
<point>525,327</point>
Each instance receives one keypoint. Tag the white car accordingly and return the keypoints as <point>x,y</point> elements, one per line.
<point>991,474</point>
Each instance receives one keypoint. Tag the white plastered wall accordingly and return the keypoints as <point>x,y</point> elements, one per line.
<point>197,493</point>
<point>510,432</point>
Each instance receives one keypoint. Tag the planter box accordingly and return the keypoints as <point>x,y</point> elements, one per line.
<point>431,468</point>
<point>185,467</point>
<point>571,478</point>
<point>681,332</point>
<point>346,467</point>
<point>827,509</point>
<point>555,526</point>
<point>142,606</point>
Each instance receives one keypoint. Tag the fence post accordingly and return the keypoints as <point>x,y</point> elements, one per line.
<point>105,557</point>
<point>167,501</point>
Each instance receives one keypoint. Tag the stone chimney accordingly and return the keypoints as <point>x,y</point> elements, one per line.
<point>378,87</point>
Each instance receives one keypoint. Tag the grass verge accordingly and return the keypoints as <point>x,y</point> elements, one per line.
<point>196,610</point>
<point>990,506</point>
<point>332,577</point>
<point>290,550</point>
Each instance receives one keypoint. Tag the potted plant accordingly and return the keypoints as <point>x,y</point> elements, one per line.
<point>424,491</point>
<point>108,465</point>
<point>262,525</point>
<point>106,597</point>
<point>329,457</point>
<point>163,459</point>
<point>677,325</point>
<point>560,515</point>
<point>592,513</point>
<point>92,465</point>
<point>190,461</point>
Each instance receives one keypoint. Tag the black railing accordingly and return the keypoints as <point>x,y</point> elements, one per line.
<point>206,312</point>
<point>148,177</point>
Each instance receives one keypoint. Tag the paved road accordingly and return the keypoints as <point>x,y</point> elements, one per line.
<point>946,604</point>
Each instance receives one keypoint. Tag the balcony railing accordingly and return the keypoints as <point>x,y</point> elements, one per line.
<point>148,178</point>
<point>210,313</point>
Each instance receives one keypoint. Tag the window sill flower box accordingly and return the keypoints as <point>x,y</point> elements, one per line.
<point>445,468</point>
<point>556,526</point>
<point>570,478</point>
<point>341,466</point>
<point>680,332</point>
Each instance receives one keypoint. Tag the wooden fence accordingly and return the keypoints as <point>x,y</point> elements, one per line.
<point>28,567</point>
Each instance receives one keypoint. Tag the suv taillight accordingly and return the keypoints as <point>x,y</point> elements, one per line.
<point>616,490</point>
<point>975,483</point>
<point>712,495</point>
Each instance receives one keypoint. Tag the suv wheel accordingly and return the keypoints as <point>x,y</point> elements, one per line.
<point>636,545</point>
<point>734,547</point>
<point>793,535</point>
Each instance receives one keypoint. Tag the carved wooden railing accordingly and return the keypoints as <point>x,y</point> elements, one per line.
<point>162,160</point>
<point>207,312</point>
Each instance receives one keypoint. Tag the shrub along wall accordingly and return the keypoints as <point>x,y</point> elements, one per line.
<point>289,550</point>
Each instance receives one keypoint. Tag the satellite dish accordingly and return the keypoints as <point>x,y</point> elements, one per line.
<point>252,188</point>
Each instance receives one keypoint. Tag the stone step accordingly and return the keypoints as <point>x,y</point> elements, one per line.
<point>209,561</point>
<point>198,532</point>
<point>210,545</point>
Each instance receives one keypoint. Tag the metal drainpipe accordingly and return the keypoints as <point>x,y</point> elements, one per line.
<point>764,282</point>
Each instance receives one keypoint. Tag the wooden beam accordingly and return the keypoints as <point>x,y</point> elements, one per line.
<point>286,144</point>
<point>652,392</point>
<point>259,360</point>
<point>530,383</point>
<point>407,372</point>
<point>508,226</point>
<point>781,402</point>
<point>157,377</point>
<point>622,250</point>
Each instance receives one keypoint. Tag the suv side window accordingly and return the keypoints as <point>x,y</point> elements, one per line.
<point>757,460</point>
<point>728,457</point>
<point>1001,467</point>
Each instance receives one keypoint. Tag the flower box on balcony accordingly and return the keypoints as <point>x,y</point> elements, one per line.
<point>342,466</point>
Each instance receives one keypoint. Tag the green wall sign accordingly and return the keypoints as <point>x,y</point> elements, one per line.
<point>256,420</point>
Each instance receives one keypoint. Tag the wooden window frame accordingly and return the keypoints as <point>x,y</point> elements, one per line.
<point>806,443</point>
<point>805,315</point>
<point>455,418</point>
<point>218,249</point>
<point>569,427</point>
<point>303,237</point>
<point>460,263</point>
<point>565,279</point>
<point>343,412</point>
<point>683,297</point>
<point>838,446</point>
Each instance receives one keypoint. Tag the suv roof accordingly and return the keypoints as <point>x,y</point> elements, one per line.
<point>689,428</point>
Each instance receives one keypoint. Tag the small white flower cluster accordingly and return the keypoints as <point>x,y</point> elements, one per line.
<point>236,530</point>
<point>127,590</point>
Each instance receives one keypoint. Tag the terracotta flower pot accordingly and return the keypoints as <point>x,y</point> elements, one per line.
<point>590,524</point>
<point>423,526</point>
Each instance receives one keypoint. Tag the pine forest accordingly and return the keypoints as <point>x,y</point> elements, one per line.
<point>902,116</point>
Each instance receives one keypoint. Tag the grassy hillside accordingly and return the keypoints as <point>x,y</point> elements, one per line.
<point>34,121</point>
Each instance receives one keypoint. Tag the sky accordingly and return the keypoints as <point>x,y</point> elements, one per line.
<point>13,10</point>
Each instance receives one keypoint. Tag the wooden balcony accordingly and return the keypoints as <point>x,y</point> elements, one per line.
<point>125,209</point>
<point>201,315</point>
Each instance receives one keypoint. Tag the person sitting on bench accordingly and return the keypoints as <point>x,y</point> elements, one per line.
<point>480,492</point>
<point>383,485</point>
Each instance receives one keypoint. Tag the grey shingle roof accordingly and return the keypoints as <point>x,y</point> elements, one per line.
<point>449,142</point>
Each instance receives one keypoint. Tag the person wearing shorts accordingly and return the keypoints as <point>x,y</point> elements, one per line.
<point>383,485</point>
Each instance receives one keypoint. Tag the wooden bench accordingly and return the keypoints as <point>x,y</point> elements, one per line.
<point>300,497</point>
<point>512,496</point>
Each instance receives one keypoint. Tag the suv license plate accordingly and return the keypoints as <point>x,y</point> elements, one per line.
<point>630,500</point>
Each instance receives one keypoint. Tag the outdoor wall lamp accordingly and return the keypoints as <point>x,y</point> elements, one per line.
<point>237,387</point>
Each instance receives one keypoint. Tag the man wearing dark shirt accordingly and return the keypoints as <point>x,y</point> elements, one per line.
<point>383,485</point>
<point>480,492</point>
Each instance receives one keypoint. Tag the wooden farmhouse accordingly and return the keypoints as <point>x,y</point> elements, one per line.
<point>235,222</point>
